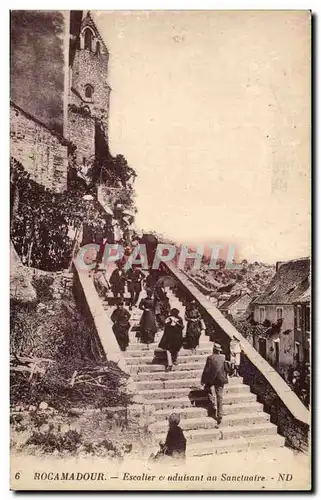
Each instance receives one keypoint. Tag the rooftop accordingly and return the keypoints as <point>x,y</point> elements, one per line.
<point>289,283</point>
<point>232,300</point>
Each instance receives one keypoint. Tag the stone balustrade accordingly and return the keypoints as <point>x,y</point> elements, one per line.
<point>87,294</point>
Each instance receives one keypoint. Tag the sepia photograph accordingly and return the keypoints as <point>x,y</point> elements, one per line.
<point>160,250</point>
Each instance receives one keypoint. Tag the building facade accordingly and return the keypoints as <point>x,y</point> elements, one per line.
<point>236,306</point>
<point>302,327</point>
<point>276,310</point>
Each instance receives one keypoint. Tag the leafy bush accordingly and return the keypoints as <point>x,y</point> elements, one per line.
<point>70,441</point>
<point>40,220</point>
<point>38,419</point>
<point>50,441</point>
<point>42,286</point>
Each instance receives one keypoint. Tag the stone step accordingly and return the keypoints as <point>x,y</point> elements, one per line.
<point>188,383</point>
<point>204,422</point>
<point>138,346</point>
<point>194,411</point>
<point>186,402</point>
<point>193,391</point>
<point>195,358</point>
<point>135,344</point>
<point>229,432</point>
<point>138,353</point>
<point>160,367</point>
<point>172,375</point>
<point>236,445</point>
<point>134,317</point>
<point>177,375</point>
<point>110,295</point>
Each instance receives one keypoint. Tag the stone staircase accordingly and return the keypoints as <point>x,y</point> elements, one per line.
<point>245,425</point>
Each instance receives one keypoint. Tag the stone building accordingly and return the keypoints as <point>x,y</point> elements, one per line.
<point>42,151</point>
<point>236,306</point>
<point>39,83</point>
<point>89,92</point>
<point>59,92</point>
<point>275,308</point>
<point>302,326</point>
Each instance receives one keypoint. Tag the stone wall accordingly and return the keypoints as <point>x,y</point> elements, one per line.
<point>295,431</point>
<point>21,289</point>
<point>81,132</point>
<point>42,153</point>
<point>39,60</point>
<point>61,282</point>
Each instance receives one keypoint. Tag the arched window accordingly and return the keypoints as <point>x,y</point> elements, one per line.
<point>88,39</point>
<point>279,313</point>
<point>89,90</point>
<point>98,48</point>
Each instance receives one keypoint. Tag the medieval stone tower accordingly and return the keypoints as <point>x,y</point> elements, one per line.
<point>89,92</point>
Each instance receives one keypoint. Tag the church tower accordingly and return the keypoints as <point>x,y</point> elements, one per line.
<point>89,92</point>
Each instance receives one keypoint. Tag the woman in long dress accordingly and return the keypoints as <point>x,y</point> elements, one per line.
<point>194,326</point>
<point>147,325</point>
<point>120,317</point>
<point>172,339</point>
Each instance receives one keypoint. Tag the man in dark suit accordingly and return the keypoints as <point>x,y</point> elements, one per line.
<point>214,378</point>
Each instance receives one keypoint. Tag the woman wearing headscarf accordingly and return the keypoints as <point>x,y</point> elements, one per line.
<point>120,317</point>
<point>194,327</point>
<point>147,325</point>
<point>175,444</point>
<point>172,339</point>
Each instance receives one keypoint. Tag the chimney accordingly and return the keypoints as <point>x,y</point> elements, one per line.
<point>278,264</point>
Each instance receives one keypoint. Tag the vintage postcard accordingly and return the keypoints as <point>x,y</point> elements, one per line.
<point>160,175</point>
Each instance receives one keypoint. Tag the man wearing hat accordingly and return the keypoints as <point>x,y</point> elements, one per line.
<point>214,378</point>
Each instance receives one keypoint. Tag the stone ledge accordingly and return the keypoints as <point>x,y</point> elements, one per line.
<point>101,321</point>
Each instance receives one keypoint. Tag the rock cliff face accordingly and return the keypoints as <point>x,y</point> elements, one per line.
<point>21,289</point>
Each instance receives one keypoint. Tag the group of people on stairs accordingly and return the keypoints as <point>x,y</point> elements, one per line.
<point>157,315</point>
<point>133,278</point>
<point>157,312</point>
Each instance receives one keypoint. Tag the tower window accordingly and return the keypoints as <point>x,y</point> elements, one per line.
<point>88,39</point>
<point>89,90</point>
<point>98,48</point>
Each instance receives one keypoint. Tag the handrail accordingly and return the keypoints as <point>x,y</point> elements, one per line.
<point>288,397</point>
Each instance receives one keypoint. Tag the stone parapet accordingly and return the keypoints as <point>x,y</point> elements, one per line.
<point>85,287</point>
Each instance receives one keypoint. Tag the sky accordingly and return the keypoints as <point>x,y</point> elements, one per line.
<point>212,110</point>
